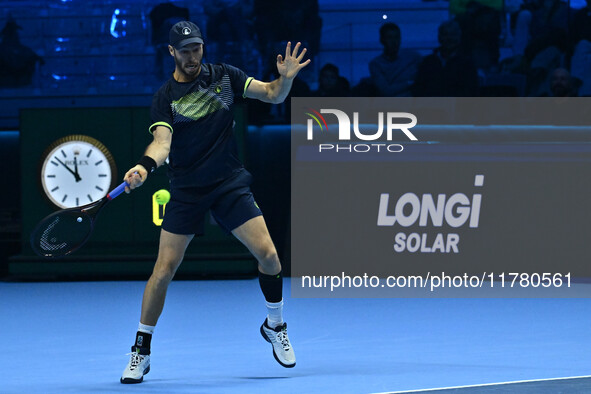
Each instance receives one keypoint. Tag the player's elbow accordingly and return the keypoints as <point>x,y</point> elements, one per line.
<point>273,95</point>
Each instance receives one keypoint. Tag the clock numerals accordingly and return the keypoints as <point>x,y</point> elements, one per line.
<point>98,188</point>
<point>89,197</point>
<point>64,199</point>
<point>98,162</point>
<point>89,153</point>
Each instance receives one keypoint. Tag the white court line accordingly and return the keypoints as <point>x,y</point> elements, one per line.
<point>483,385</point>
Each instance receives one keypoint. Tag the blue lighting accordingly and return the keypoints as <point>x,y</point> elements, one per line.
<point>117,28</point>
<point>114,23</point>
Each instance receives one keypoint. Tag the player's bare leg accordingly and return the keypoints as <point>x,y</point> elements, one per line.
<point>170,255</point>
<point>255,236</point>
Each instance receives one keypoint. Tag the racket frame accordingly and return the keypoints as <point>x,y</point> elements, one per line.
<point>89,210</point>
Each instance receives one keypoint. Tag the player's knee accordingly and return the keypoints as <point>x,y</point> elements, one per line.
<point>267,256</point>
<point>164,271</point>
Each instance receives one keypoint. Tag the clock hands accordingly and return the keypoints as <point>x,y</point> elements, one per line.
<point>76,169</point>
<point>76,176</point>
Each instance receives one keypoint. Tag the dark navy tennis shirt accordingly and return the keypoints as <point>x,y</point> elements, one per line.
<point>199,113</point>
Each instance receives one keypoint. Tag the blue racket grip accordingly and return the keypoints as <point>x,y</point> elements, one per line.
<point>117,191</point>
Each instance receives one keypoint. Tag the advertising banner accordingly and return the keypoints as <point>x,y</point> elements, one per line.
<point>471,197</point>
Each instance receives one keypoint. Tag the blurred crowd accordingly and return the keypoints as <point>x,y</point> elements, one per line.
<point>528,48</point>
<point>548,46</point>
<point>524,48</point>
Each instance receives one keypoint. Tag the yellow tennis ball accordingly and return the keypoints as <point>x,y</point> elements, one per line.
<point>162,196</point>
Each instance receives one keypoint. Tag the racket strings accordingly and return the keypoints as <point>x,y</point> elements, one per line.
<point>44,241</point>
<point>61,233</point>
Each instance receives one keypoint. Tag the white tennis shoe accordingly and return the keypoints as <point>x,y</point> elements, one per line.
<point>282,350</point>
<point>138,366</point>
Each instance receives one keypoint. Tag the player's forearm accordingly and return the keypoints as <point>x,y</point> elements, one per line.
<point>158,151</point>
<point>278,90</point>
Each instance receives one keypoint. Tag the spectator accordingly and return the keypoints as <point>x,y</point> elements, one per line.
<point>549,15</point>
<point>549,27</point>
<point>549,46</point>
<point>365,88</point>
<point>230,31</point>
<point>481,29</point>
<point>280,20</point>
<point>17,61</point>
<point>561,83</point>
<point>331,83</point>
<point>163,16</point>
<point>581,39</point>
<point>519,25</point>
<point>540,69</point>
<point>393,72</point>
<point>447,72</point>
<point>581,26</point>
<point>539,25</point>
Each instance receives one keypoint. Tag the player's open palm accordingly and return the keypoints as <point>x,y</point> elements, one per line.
<point>292,64</point>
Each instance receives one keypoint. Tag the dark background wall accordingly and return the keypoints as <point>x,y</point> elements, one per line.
<point>104,54</point>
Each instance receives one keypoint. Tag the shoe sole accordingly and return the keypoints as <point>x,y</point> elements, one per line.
<point>275,354</point>
<point>132,380</point>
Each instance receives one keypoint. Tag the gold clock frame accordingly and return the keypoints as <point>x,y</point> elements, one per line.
<point>75,138</point>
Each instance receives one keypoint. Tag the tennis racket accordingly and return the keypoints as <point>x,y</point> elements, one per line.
<point>63,232</point>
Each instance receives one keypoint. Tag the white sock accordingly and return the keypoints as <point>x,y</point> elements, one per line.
<point>275,313</point>
<point>145,328</point>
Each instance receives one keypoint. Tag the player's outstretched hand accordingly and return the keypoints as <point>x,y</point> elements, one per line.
<point>292,64</point>
<point>136,176</point>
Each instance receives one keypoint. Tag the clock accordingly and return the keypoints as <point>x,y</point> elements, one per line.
<point>76,170</point>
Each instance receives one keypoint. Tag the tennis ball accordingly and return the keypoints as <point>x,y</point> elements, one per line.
<point>162,196</point>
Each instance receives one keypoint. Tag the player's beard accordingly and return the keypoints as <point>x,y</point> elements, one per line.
<point>189,70</point>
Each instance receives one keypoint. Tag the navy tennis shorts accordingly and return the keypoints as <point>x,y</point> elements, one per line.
<point>231,204</point>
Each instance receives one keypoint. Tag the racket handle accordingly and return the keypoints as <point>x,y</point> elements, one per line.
<point>117,191</point>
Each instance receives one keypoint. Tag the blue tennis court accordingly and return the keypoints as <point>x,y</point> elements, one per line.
<point>72,337</point>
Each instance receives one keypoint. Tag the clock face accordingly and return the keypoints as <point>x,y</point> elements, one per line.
<point>76,170</point>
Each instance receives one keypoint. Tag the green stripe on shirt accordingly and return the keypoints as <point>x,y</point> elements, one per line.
<point>246,84</point>
<point>152,127</point>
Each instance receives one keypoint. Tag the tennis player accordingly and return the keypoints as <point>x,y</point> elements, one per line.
<point>192,125</point>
